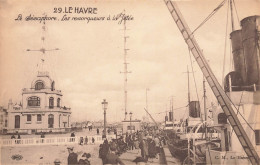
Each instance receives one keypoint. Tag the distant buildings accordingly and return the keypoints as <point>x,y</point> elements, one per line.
<point>131,126</point>
<point>3,120</point>
<point>41,109</point>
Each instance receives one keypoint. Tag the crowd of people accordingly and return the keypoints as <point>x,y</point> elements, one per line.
<point>149,145</point>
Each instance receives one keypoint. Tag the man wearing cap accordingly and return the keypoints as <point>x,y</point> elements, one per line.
<point>73,157</point>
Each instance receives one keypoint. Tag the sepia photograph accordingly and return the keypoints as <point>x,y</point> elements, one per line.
<point>121,82</point>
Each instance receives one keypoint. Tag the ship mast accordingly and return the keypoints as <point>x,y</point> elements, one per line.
<point>188,72</point>
<point>43,49</point>
<point>205,107</point>
<point>125,69</point>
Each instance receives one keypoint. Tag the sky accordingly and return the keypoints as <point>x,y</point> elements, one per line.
<point>87,67</point>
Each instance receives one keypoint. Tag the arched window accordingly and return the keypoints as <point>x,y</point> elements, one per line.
<point>33,101</point>
<point>51,102</point>
<point>39,85</point>
<point>17,121</point>
<point>68,120</point>
<point>50,120</point>
<point>58,102</point>
<point>53,86</point>
<point>39,117</point>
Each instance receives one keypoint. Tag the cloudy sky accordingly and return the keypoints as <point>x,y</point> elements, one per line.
<point>87,66</point>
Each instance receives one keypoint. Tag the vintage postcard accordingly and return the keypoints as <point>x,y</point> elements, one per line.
<point>129,82</point>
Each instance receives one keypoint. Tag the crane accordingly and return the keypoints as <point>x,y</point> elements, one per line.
<point>221,96</point>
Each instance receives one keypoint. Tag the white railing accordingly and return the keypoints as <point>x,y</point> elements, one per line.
<point>52,140</point>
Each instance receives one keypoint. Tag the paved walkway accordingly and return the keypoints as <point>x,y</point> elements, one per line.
<point>129,156</point>
<point>45,155</point>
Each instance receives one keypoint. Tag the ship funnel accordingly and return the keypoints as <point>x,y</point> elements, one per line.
<point>250,40</point>
<point>170,116</point>
<point>238,54</point>
<point>194,109</point>
<point>245,50</point>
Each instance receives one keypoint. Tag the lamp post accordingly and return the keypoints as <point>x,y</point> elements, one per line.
<point>130,121</point>
<point>104,105</point>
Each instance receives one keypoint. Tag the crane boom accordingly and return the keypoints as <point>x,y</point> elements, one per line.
<point>213,82</point>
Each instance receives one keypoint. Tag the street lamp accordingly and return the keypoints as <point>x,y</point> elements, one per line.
<point>130,121</point>
<point>104,105</point>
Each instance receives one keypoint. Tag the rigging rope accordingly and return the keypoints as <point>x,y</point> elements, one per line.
<point>209,16</point>
<point>193,76</point>
<point>236,11</point>
<point>172,109</point>
<point>225,47</point>
<point>240,113</point>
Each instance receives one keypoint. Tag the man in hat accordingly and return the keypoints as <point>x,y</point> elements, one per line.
<point>73,157</point>
<point>144,148</point>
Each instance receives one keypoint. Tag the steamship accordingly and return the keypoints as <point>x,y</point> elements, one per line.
<point>236,121</point>
<point>243,88</point>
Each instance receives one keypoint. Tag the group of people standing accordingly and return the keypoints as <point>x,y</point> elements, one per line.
<point>108,153</point>
<point>149,145</point>
<point>18,141</point>
<point>84,141</point>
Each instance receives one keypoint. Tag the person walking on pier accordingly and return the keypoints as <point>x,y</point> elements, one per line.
<point>157,145</point>
<point>73,157</point>
<point>144,149</point>
<point>104,151</point>
<point>86,140</point>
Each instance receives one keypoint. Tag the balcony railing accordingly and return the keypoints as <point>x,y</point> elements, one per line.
<point>58,107</point>
<point>52,141</point>
<point>41,90</point>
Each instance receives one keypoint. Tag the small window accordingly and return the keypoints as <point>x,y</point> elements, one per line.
<point>257,137</point>
<point>6,123</point>
<point>53,86</point>
<point>50,120</point>
<point>51,102</point>
<point>58,102</point>
<point>39,85</point>
<point>29,117</point>
<point>17,121</point>
<point>33,101</point>
<point>39,117</point>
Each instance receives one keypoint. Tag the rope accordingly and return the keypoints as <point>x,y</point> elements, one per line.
<point>236,10</point>
<point>173,109</point>
<point>193,76</point>
<point>239,112</point>
<point>238,109</point>
<point>210,15</point>
<point>224,60</point>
